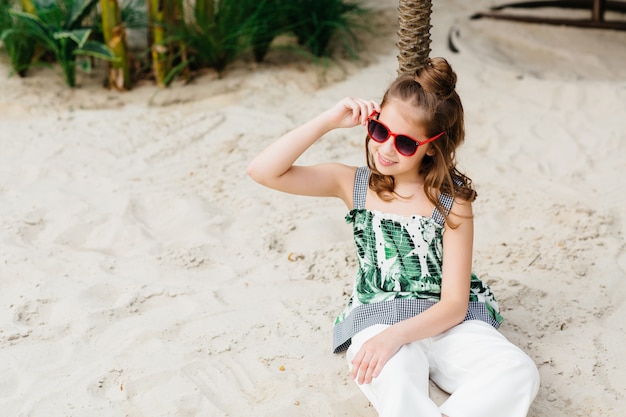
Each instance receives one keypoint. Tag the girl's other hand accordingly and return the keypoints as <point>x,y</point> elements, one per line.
<point>372,357</point>
<point>352,111</point>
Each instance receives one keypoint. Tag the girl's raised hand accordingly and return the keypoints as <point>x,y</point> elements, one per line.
<point>352,111</point>
<point>275,166</point>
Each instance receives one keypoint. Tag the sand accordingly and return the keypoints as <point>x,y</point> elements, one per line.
<point>142,273</point>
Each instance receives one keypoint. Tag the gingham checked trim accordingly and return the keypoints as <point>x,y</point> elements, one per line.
<point>391,312</point>
<point>361,182</point>
<point>446,201</point>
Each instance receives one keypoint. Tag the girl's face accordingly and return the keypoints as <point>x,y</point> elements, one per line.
<point>388,161</point>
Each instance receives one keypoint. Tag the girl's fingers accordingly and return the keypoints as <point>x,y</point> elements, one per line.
<point>352,109</point>
<point>361,109</point>
<point>357,110</point>
<point>362,112</point>
<point>379,367</point>
<point>357,113</point>
<point>364,374</point>
<point>368,108</point>
<point>360,364</point>
<point>356,364</point>
<point>364,368</point>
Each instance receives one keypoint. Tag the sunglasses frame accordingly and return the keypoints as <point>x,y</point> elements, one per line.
<point>370,118</point>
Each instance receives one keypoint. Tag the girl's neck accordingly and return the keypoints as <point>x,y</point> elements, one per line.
<point>409,199</point>
<point>407,186</point>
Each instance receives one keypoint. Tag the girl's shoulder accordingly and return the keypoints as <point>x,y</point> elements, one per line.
<point>341,172</point>
<point>344,176</point>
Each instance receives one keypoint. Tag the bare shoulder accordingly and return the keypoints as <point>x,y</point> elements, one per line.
<point>344,176</point>
<point>461,215</point>
<point>461,208</point>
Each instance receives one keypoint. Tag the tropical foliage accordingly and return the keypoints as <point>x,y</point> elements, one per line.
<point>316,23</point>
<point>58,28</point>
<point>20,48</point>
<point>181,37</point>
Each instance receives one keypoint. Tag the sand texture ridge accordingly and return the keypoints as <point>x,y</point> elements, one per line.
<point>142,273</point>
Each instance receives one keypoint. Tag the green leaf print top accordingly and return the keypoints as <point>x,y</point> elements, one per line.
<point>399,274</point>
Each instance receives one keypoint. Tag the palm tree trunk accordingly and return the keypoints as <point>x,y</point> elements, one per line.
<point>115,38</point>
<point>157,38</point>
<point>164,16</point>
<point>413,35</point>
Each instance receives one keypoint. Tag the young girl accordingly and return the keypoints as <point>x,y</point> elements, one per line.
<point>416,311</point>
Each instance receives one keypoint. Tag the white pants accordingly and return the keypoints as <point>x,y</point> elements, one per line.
<point>486,375</point>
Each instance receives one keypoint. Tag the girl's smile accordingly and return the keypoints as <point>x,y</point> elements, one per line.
<point>384,161</point>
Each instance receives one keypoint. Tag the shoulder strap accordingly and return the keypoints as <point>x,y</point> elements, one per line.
<point>361,182</point>
<point>446,201</point>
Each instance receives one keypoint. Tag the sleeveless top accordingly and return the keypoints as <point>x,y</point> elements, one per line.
<point>399,273</point>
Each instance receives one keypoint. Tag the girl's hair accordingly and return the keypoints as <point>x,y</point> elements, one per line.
<point>432,91</point>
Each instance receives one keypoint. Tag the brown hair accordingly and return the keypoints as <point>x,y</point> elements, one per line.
<point>431,90</point>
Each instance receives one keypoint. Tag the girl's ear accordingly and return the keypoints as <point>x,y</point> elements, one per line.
<point>430,151</point>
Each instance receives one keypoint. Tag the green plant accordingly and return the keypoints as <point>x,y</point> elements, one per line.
<point>316,22</point>
<point>217,38</point>
<point>267,21</point>
<point>5,17</point>
<point>20,49</point>
<point>60,28</point>
<point>134,14</point>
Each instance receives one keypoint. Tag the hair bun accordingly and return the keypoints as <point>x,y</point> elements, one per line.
<point>437,77</point>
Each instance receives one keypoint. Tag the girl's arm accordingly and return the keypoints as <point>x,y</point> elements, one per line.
<point>447,313</point>
<point>274,166</point>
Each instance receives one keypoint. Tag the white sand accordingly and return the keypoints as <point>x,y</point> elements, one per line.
<point>143,274</point>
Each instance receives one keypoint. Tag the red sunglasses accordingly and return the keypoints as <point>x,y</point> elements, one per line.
<point>404,144</point>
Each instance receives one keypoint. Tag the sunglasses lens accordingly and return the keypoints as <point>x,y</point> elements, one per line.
<point>406,146</point>
<point>377,131</point>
